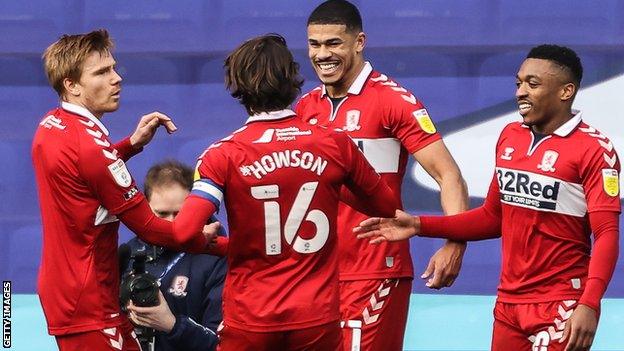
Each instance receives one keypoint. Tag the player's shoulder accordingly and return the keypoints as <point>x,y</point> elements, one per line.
<point>314,94</point>
<point>515,127</point>
<point>389,90</point>
<point>224,144</point>
<point>589,133</point>
<point>592,139</point>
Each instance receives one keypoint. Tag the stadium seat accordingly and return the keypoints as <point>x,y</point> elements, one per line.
<point>25,250</point>
<point>429,22</point>
<point>561,21</point>
<point>29,27</point>
<point>157,26</point>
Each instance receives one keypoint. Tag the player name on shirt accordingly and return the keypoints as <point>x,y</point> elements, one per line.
<point>282,159</point>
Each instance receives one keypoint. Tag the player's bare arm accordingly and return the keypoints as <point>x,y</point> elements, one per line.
<point>147,126</point>
<point>437,161</point>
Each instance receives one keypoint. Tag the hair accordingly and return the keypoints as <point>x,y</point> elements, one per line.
<point>565,57</point>
<point>262,74</point>
<point>337,12</point>
<point>165,173</point>
<point>65,57</point>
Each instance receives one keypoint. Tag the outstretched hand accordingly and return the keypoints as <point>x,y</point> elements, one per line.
<point>403,226</point>
<point>147,128</point>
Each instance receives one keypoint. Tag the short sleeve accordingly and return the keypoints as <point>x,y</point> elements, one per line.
<point>210,175</point>
<point>599,171</point>
<point>108,177</point>
<point>407,118</point>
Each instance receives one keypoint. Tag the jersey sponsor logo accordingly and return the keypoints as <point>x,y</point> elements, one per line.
<point>540,192</point>
<point>611,182</point>
<point>548,161</point>
<point>52,122</point>
<point>284,134</point>
<point>507,154</point>
<point>178,286</point>
<point>425,122</point>
<point>120,173</point>
<point>352,121</point>
<point>284,159</point>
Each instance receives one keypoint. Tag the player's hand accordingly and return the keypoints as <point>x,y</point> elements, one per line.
<point>147,128</point>
<point>580,329</point>
<point>157,317</point>
<point>403,226</point>
<point>211,231</point>
<point>444,265</point>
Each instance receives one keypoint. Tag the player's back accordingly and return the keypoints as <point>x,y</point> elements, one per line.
<point>281,180</point>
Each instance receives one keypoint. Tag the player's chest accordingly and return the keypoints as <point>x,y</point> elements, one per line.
<point>355,115</point>
<point>532,163</point>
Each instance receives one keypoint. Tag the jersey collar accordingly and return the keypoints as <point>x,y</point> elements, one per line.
<point>565,129</point>
<point>81,111</point>
<point>570,125</point>
<point>270,116</point>
<point>358,83</point>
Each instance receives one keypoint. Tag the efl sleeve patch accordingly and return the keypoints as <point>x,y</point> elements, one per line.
<point>120,173</point>
<point>425,122</point>
<point>611,182</point>
<point>208,190</point>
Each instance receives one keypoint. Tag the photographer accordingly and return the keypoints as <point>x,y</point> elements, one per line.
<point>189,308</point>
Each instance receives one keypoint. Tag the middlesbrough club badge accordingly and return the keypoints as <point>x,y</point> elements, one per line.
<point>178,286</point>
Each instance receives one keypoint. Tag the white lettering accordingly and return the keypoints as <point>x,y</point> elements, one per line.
<point>284,159</point>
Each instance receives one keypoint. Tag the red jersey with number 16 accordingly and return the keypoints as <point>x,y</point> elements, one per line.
<point>281,179</point>
<point>388,124</point>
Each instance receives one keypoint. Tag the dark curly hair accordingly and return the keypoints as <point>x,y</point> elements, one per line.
<point>262,74</point>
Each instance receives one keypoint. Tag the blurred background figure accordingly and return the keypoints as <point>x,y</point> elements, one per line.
<point>191,284</point>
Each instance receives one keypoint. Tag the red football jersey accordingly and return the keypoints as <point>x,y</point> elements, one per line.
<point>281,179</point>
<point>546,191</point>
<point>83,183</point>
<point>388,124</point>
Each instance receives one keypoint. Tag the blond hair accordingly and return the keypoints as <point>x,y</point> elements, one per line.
<point>65,57</point>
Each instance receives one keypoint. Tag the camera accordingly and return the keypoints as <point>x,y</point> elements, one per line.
<point>138,285</point>
<point>142,288</point>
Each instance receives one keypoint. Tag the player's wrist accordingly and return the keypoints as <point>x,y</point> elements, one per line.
<point>416,225</point>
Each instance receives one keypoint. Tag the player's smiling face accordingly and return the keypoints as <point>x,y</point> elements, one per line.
<point>335,53</point>
<point>540,87</point>
<point>99,87</point>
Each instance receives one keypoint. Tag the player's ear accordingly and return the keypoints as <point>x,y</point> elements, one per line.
<point>568,90</point>
<point>360,42</point>
<point>71,87</point>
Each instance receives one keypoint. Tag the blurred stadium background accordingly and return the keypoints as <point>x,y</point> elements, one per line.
<point>459,56</point>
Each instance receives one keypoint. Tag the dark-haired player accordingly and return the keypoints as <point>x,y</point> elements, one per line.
<point>389,124</point>
<point>280,179</point>
<point>556,181</point>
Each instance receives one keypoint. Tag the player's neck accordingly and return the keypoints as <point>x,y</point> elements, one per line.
<point>341,89</point>
<point>553,123</point>
<point>78,102</point>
